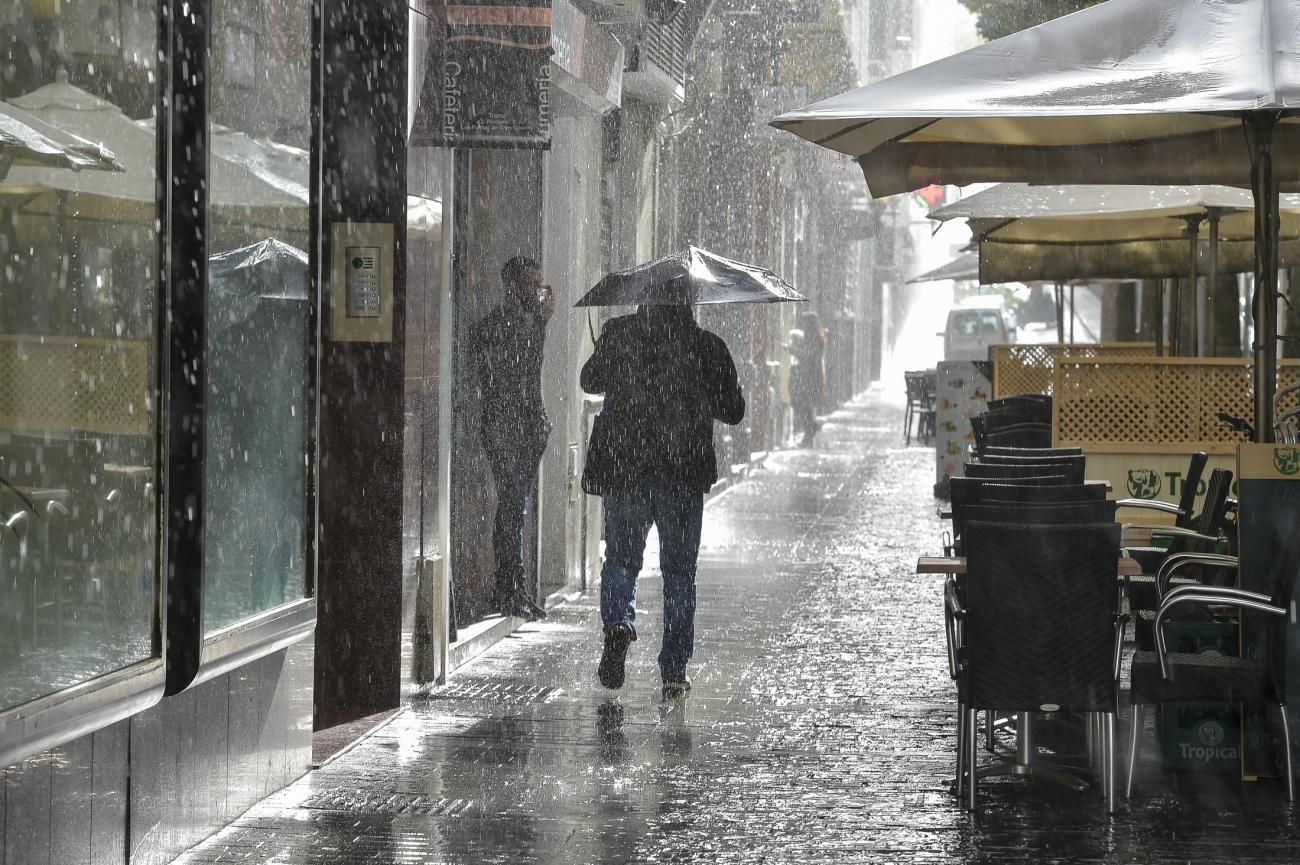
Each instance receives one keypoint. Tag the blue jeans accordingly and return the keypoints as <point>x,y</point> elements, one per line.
<point>678,512</point>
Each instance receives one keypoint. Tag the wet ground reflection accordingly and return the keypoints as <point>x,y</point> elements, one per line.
<point>819,727</point>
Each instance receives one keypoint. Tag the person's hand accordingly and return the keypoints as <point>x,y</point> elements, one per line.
<point>546,305</point>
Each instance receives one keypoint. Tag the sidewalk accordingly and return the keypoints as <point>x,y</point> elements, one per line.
<point>820,727</point>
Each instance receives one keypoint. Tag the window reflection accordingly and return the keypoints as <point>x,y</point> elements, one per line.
<point>78,287</point>
<point>258,340</point>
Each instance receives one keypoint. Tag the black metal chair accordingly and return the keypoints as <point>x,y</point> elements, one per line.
<point>1042,630</point>
<point>1162,676</point>
<point>919,403</point>
<point>1202,534</point>
<point>1182,512</point>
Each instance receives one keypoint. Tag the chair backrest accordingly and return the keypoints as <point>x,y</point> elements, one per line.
<point>915,384</point>
<point>1040,616</point>
<point>1041,513</point>
<point>1011,493</point>
<point>1017,414</point>
<point>1032,401</point>
<point>1073,472</point>
<point>1077,463</point>
<point>963,492</point>
<point>1025,435</point>
<point>1192,480</point>
<point>995,450</point>
<point>1214,507</point>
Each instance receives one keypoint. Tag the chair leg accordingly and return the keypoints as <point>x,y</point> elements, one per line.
<point>970,760</point>
<point>907,422</point>
<point>958,785</point>
<point>1109,761</point>
<point>1286,749</point>
<point>1135,733</point>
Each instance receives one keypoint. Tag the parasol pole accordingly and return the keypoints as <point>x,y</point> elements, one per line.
<point>1212,285</point>
<point>1264,188</point>
<point>1059,296</point>
<point>1193,274</point>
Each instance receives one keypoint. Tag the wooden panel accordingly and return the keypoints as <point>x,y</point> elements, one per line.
<point>1028,368</point>
<point>1153,405</point>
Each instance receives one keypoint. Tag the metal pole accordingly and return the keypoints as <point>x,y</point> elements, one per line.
<point>1072,312</point>
<point>1060,312</point>
<point>1212,286</point>
<point>1264,187</point>
<point>1160,317</point>
<point>1193,272</point>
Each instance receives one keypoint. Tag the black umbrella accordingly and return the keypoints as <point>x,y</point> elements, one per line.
<point>689,277</point>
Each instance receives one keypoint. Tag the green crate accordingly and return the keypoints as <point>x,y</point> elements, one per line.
<point>1201,736</point>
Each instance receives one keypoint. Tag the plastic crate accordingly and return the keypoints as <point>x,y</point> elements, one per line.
<point>1201,736</point>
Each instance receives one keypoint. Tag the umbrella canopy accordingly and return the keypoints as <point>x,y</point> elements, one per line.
<point>1061,233</point>
<point>130,195</point>
<point>689,277</point>
<point>964,266</point>
<point>267,270</point>
<point>1128,91</point>
<point>27,140</point>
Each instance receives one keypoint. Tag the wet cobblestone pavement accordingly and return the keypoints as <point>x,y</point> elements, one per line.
<point>820,727</point>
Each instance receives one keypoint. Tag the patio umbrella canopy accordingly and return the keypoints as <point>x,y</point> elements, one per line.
<point>964,266</point>
<point>1113,232</point>
<point>130,195</point>
<point>1128,91</point>
<point>692,276</point>
<point>26,140</point>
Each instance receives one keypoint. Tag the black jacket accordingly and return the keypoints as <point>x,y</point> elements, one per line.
<point>507,346</point>
<point>665,381</point>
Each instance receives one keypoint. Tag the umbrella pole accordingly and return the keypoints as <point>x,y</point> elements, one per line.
<point>1072,312</point>
<point>1212,286</point>
<point>1060,313</point>
<point>1264,188</point>
<point>1160,317</point>
<point>1193,274</point>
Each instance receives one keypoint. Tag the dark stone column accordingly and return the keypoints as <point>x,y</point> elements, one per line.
<point>363,168</point>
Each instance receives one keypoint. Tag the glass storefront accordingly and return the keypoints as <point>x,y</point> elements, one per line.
<point>259,344</point>
<point>78,378</point>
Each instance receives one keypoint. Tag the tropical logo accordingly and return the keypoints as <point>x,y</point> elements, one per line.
<point>1286,460</point>
<point>1143,483</point>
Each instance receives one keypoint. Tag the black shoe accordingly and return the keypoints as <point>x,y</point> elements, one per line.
<point>676,685</point>
<point>617,639</point>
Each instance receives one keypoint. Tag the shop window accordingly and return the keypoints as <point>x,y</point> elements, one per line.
<point>259,321</point>
<point>78,330</point>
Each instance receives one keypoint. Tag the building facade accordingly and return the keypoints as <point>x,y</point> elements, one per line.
<point>241,485</point>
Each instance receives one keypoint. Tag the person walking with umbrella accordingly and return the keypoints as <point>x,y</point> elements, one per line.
<point>665,380</point>
<point>508,346</point>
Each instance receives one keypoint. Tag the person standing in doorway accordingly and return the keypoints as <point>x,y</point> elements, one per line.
<point>665,380</point>
<point>507,346</point>
<point>807,374</point>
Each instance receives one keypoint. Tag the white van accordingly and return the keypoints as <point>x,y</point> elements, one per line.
<point>972,327</point>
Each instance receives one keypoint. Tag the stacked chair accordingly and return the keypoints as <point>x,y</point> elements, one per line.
<point>1039,541</point>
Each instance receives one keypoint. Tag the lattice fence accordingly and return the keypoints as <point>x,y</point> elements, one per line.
<point>1116,404</point>
<point>59,384</point>
<point>1019,368</point>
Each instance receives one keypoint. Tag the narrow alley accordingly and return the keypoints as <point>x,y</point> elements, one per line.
<point>820,726</point>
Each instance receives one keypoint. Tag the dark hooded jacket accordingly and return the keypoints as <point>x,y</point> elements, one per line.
<point>665,380</point>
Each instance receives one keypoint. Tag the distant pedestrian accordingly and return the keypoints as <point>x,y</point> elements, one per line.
<point>665,381</point>
<point>507,347</point>
<point>807,374</point>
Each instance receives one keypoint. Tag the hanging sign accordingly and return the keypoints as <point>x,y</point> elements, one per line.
<point>492,87</point>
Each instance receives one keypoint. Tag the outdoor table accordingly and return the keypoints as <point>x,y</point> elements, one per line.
<point>1126,567</point>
